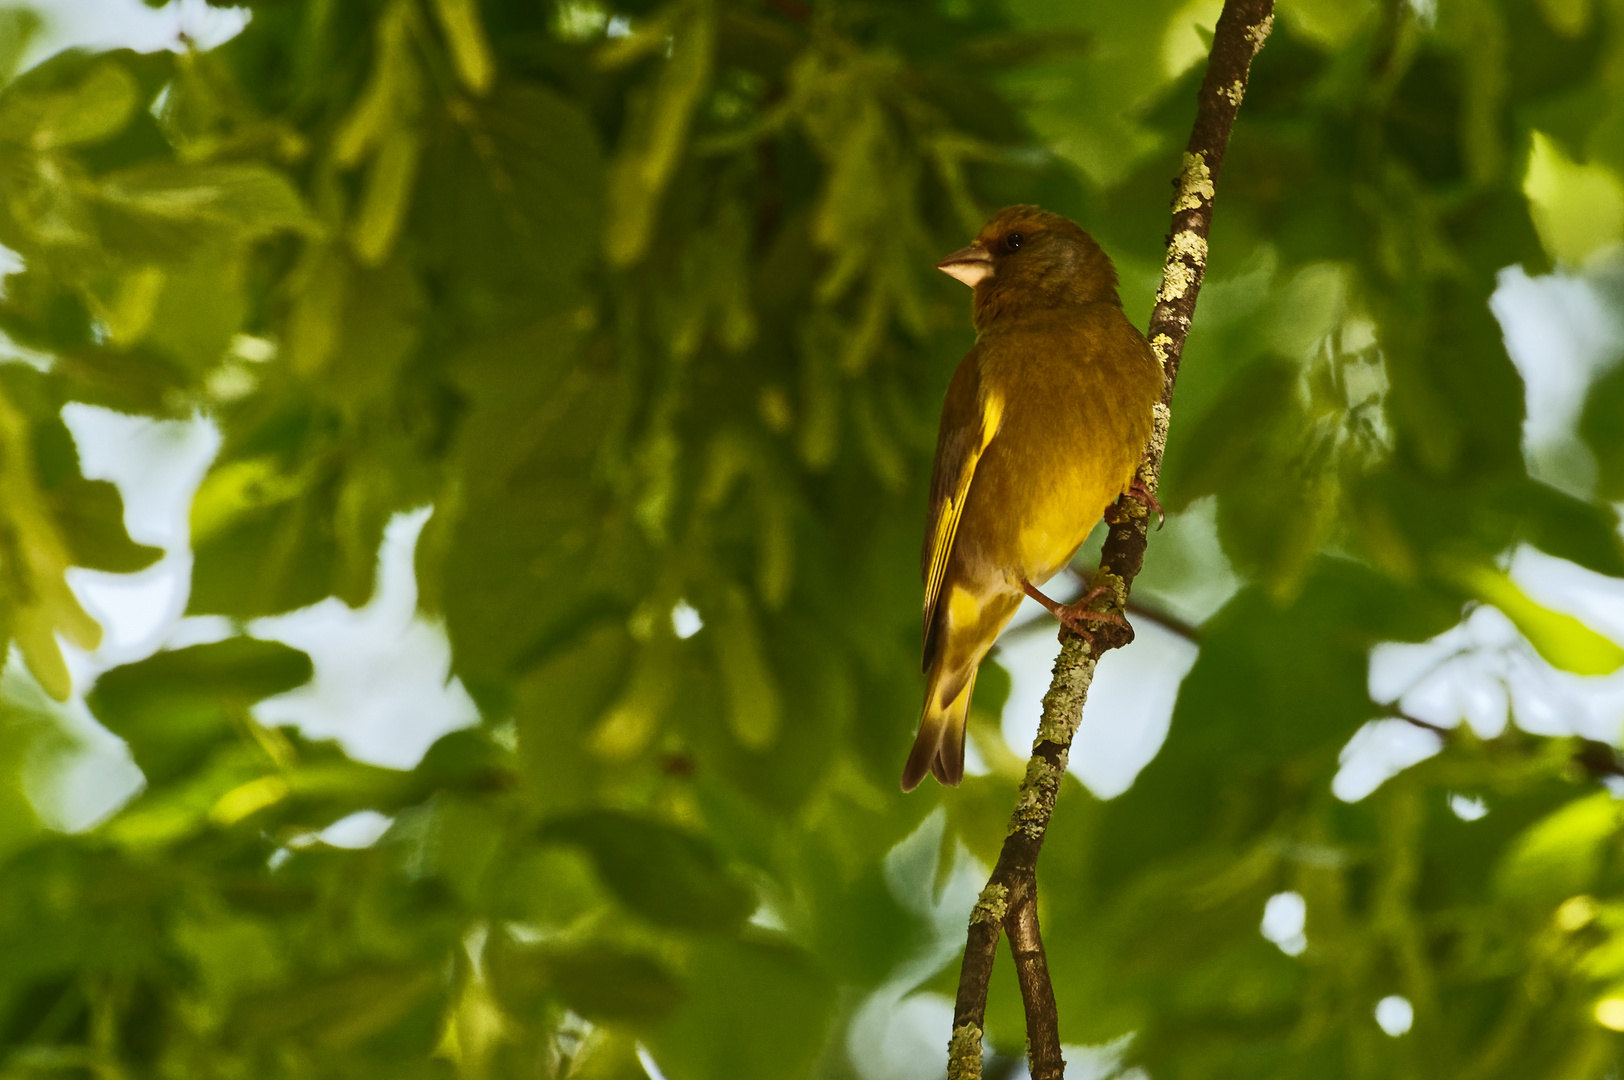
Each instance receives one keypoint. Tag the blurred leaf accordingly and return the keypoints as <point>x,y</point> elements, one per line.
<point>774,1030</point>
<point>607,984</point>
<point>391,92</point>
<point>668,876</point>
<point>168,208</point>
<point>634,719</point>
<point>1561,639</point>
<point>91,516</point>
<point>1561,855</point>
<point>464,840</point>
<point>1570,528</point>
<point>754,705</point>
<point>34,740</point>
<point>524,175</point>
<point>96,108</point>
<point>18,25</point>
<point>459,19</point>
<point>1602,427</point>
<point>229,491</point>
<point>34,597</point>
<point>1232,436</point>
<point>172,708</point>
<point>606,1054</point>
<point>1577,208</point>
<point>388,195</point>
<point>336,1012</point>
<point>658,131</point>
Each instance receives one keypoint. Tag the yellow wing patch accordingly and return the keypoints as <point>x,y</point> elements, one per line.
<point>947,522</point>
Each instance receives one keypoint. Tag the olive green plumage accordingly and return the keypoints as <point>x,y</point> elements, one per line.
<point>1045,422</point>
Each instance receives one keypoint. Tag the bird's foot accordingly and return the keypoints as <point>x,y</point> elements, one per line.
<point>1076,616</point>
<point>1147,498</point>
<point>1142,495</point>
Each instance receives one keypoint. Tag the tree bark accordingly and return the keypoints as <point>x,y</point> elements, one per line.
<point>1009,901</point>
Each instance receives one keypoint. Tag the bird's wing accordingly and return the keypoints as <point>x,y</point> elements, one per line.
<point>970,418</point>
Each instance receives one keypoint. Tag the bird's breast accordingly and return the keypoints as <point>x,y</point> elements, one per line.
<point>1074,425</point>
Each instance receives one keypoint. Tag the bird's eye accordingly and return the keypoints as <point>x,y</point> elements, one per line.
<point>1014,240</point>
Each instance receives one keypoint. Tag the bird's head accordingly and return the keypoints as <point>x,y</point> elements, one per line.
<point>1025,259</point>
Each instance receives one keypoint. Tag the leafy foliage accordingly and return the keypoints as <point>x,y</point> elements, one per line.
<point>640,299</point>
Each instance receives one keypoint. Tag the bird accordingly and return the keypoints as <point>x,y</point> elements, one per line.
<point>1044,425</point>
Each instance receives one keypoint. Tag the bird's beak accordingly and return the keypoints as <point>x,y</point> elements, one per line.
<point>970,265</point>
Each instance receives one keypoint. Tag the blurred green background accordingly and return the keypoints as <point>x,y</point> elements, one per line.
<point>462,470</point>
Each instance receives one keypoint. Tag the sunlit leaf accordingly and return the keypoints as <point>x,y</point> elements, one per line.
<point>1561,639</point>
<point>1578,208</point>
<point>1561,855</point>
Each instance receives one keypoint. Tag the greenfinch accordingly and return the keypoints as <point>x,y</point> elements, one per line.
<point>1044,426</point>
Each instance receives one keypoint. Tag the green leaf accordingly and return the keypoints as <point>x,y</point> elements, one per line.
<point>18,25</point>
<point>173,707</point>
<point>91,515</point>
<point>388,196</point>
<point>1568,527</point>
<point>754,704</point>
<point>334,1012</point>
<point>34,741</point>
<point>559,706</point>
<point>605,983</point>
<point>606,1054</point>
<point>35,601</point>
<point>459,19</point>
<point>529,491</point>
<point>1231,439</point>
<point>812,685</point>
<point>772,1031</point>
<point>630,724</point>
<point>523,174</point>
<point>168,204</point>
<point>1562,854</point>
<point>201,306</point>
<point>96,108</point>
<point>390,98</point>
<point>657,134</point>
<point>1577,208</point>
<point>670,877</point>
<point>1561,639</point>
<point>1602,426</point>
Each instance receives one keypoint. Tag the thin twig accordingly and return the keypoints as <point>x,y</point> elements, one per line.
<point>1189,631</point>
<point>1009,899</point>
<point>1597,760</point>
<point>1441,732</point>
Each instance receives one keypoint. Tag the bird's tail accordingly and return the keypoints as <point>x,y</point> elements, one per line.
<point>939,747</point>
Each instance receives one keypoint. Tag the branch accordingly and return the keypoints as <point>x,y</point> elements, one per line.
<point>1032,973</point>
<point>1010,898</point>
<point>1597,760</point>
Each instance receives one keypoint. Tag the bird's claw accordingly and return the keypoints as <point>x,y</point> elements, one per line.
<point>1075,616</point>
<point>1142,495</point>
